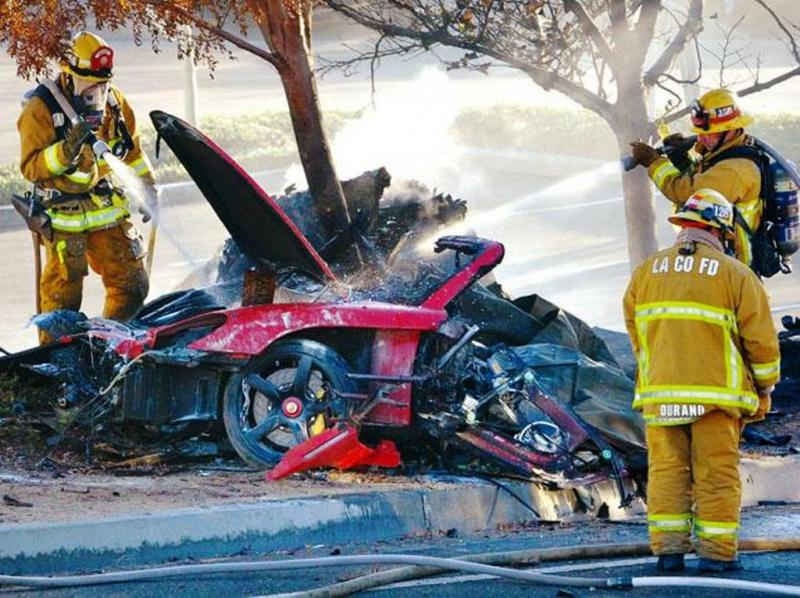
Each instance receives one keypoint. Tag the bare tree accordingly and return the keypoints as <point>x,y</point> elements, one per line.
<point>36,32</point>
<point>606,55</point>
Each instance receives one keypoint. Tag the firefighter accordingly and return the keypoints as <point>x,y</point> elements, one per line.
<point>719,122</point>
<point>708,360</point>
<point>87,216</point>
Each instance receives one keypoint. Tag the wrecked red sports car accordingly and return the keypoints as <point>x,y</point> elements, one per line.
<point>369,372</point>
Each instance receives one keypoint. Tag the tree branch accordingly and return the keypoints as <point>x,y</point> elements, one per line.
<point>218,31</point>
<point>644,31</point>
<point>589,26</point>
<point>692,27</point>
<point>546,79</point>
<point>619,22</point>
<point>779,22</point>
<point>755,88</point>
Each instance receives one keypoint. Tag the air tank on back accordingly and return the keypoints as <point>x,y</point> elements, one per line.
<point>787,215</point>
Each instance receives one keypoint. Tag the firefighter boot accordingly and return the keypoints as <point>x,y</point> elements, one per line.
<point>705,565</point>
<point>670,563</point>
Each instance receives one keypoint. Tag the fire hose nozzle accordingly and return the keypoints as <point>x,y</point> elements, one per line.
<point>627,163</point>
<point>99,147</point>
<point>671,150</point>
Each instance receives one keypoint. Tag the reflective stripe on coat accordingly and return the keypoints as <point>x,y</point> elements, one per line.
<point>703,335</point>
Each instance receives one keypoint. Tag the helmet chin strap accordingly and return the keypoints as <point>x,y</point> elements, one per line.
<point>720,142</point>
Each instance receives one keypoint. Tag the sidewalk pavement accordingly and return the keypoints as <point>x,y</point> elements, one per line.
<point>289,525</point>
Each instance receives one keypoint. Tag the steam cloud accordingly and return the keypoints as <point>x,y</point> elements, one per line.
<point>409,132</point>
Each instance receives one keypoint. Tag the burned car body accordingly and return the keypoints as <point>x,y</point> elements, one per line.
<point>361,373</point>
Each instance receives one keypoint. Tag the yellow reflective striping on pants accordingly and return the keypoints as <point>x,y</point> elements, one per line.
<point>61,251</point>
<point>681,522</point>
<point>716,529</point>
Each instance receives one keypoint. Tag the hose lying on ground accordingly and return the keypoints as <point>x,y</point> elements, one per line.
<point>522,557</point>
<point>440,564</point>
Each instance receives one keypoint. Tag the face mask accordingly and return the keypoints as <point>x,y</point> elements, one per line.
<point>91,104</point>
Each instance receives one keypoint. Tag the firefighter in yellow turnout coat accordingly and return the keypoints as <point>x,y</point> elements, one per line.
<point>88,217</point>
<point>719,123</point>
<point>708,359</point>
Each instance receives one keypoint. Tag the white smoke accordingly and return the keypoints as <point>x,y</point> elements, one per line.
<point>409,132</point>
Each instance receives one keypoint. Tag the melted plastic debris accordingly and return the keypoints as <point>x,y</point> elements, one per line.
<point>60,322</point>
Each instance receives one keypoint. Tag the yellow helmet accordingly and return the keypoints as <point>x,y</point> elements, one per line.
<point>708,207</point>
<point>90,58</point>
<point>717,111</point>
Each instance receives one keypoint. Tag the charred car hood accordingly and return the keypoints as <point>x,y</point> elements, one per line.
<point>257,224</point>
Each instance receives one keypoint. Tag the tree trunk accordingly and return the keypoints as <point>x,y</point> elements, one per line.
<point>289,37</point>
<point>640,215</point>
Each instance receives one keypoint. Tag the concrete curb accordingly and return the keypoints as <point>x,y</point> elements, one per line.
<point>291,524</point>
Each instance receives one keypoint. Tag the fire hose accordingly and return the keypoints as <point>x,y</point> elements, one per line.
<point>423,566</point>
<point>536,556</point>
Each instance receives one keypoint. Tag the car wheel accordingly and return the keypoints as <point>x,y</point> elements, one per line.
<point>284,397</point>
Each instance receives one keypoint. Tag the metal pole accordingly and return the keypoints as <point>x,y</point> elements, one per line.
<point>189,84</point>
<point>37,270</point>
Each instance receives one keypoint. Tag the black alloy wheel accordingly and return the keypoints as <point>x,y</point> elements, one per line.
<point>284,397</point>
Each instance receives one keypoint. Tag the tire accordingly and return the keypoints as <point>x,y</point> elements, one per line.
<point>262,399</point>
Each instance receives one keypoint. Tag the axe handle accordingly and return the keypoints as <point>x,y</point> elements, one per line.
<point>151,247</point>
<point>37,269</point>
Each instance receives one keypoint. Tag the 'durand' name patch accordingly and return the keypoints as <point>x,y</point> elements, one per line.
<point>682,410</point>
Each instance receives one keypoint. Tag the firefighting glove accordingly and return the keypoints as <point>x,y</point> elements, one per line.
<point>673,140</point>
<point>643,154</point>
<point>148,207</point>
<point>677,150</point>
<point>77,137</point>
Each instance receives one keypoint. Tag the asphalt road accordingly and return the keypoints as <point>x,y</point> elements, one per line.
<point>774,522</point>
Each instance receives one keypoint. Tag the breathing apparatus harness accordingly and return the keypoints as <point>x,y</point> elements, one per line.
<point>777,237</point>
<point>33,205</point>
<point>65,115</point>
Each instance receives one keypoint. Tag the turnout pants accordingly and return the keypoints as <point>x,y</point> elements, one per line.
<point>114,253</point>
<point>693,481</point>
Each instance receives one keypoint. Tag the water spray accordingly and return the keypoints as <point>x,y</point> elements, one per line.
<point>134,188</point>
